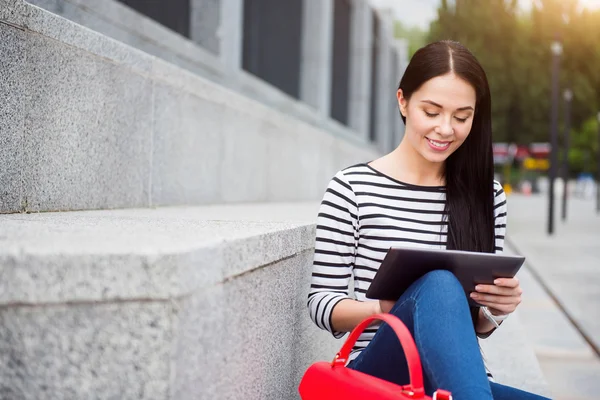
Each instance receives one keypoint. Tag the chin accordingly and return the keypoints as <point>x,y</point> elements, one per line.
<point>436,157</point>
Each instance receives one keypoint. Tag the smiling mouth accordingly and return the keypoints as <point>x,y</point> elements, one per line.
<point>438,145</point>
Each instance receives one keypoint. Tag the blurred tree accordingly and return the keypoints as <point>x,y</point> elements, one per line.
<point>416,36</point>
<point>493,31</point>
<point>585,148</point>
<point>514,49</point>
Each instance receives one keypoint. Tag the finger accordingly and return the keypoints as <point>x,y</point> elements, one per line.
<point>507,282</point>
<point>502,308</point>
<point>495,298</point>
<point>506,308</point>
<point>499,290</point>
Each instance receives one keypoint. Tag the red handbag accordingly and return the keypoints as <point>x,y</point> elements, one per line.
<point>333,381</point>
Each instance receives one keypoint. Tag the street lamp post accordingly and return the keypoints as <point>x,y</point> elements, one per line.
<point>556,52</point>
<point>568,95</point>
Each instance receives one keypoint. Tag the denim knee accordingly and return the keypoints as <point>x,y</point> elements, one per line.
<point>440,284</point>
<point>440,277</point>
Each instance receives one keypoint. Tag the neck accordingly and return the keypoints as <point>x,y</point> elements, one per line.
<point>416,168</point>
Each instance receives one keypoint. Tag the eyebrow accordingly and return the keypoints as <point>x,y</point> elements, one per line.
<point>438,105</point>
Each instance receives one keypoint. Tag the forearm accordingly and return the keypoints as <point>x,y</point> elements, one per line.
<point>348,313</point>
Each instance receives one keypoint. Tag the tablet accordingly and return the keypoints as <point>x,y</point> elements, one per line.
<point>402,266</point>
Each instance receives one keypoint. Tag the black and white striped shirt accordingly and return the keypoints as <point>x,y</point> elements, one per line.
<point>362,215</point>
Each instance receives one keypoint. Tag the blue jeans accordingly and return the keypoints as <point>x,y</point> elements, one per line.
<point>436,311</point>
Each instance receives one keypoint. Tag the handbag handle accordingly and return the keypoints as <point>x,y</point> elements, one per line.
<point>415,387</point>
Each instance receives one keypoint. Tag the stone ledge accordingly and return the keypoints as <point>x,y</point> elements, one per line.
<point>142,253</point>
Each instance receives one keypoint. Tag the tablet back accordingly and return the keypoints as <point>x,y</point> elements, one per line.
<point>403,266</point>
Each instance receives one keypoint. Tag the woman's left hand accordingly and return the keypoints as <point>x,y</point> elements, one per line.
<point>502,297</point>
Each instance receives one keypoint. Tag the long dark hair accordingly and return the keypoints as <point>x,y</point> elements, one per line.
<point>469,171</point>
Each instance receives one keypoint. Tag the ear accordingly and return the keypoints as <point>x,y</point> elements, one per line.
<point>402,102</point>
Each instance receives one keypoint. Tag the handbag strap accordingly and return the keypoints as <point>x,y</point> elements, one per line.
<point>406,341</point>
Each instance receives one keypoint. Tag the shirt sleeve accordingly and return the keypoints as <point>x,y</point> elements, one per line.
<point>335,252</point>
<point>500,218</point>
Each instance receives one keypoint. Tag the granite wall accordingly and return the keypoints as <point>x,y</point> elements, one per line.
<point>90,123</point>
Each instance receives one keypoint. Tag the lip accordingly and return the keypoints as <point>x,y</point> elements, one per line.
<point>438,149</point>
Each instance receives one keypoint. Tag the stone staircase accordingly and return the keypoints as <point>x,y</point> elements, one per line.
<point>157,228</point>
<point>146,247</point>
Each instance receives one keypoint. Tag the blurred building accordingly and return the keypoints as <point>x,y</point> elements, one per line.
<point>338,57</point>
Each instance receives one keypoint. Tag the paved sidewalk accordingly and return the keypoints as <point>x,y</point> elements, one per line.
<point>560,312</point>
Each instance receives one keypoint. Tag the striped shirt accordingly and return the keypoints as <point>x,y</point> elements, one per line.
<point>362,215</point>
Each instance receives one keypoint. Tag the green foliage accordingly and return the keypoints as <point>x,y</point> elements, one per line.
<point>416,36</point>
<point>585,147</point>
<point>514,49</point>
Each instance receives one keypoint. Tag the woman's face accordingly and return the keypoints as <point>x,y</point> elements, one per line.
<point>439,116</point>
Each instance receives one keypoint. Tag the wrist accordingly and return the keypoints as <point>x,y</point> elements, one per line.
<point>494,319</point>
<point>496,313</point>
<point>376,307</point>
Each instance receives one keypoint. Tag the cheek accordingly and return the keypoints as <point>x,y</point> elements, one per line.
<point>421,125</point>
<point>462,132</point>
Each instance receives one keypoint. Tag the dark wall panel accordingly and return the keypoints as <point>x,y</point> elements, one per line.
<point>395,114</point>
<point>374,73</point>
<point>174,14</point>
<point>272,42</point>
<point>341,61</point>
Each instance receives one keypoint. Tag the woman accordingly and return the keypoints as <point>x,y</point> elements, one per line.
<point>435,190</point>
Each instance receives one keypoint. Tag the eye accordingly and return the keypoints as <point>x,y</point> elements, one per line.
<point>431,115</point>
<point>461,120</point>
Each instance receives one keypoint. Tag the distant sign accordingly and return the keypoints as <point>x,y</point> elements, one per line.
<point>502,154</point>
<point>522,152</point>
<point>540,149</point>
<point>505,153</point>
<point>537,164</point>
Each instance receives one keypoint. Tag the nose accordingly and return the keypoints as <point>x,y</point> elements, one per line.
<point>445,128</point>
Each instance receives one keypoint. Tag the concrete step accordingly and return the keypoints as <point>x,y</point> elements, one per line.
<point>185,303</point>
<point>180,302</point>
<point>143,253</point>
